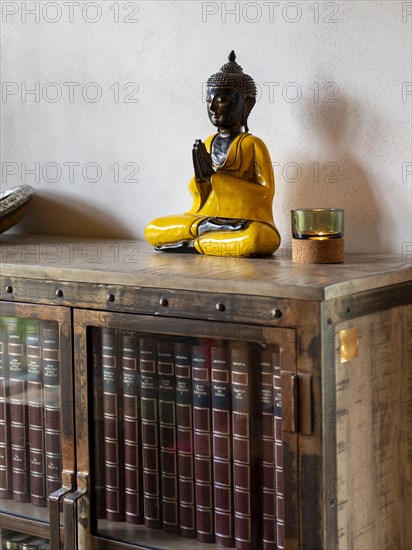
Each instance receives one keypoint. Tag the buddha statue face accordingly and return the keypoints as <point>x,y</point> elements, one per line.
<point>227,108</point>
<point>230,96</point>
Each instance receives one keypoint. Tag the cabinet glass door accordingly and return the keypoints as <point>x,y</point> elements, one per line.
<point>36,418</point>
<point>179,427</point>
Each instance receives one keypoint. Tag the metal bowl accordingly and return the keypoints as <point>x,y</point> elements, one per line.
<point>13,205</point>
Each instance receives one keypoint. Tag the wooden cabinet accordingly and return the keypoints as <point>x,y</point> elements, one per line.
<point>342,470</point>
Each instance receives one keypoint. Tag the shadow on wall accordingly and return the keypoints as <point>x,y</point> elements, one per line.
<point>63,215</point>
<point>339,179</point>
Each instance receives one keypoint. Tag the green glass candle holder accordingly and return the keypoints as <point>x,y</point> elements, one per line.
<point>318,223</point>
<point>318,235</point>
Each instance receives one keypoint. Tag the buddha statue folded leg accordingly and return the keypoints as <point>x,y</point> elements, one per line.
<point>256,239</point>
<point>172,230</point>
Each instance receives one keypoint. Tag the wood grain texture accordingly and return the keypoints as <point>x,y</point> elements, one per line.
<point>374,434</point>
<point>136,263</point>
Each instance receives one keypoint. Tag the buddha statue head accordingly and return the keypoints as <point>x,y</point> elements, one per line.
<point>230,96</point>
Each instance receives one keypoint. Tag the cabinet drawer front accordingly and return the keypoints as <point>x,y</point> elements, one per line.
<point>153,301</point>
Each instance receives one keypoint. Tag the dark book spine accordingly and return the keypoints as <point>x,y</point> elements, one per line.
<point>132,432</point>
<point>168,436</point>
<point>222,446</point>
<point>277,387</point>
<point>52,405</point>
<point>202,431</point>
<point>242,414</point>
<point>17,365</point>
<point>98,425</point>
<point>185,456</point>
<point>266,399</point>
<point>6,485</point>
<point>150,433</point>
<point>36,415</point>
<point>113,440</point>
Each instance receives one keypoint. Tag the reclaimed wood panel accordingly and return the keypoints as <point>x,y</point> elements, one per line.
<point>136,263</point>
<point>374,434</point>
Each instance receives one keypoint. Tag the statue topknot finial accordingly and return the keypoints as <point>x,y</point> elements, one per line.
<point>231,74</point>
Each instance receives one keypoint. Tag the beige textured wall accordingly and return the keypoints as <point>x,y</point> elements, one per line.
<point>117,99</point>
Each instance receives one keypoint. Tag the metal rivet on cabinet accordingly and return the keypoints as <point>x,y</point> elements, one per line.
<point>59,293</point>
<point>9,289</point>
<point>276,313</point>
<point>110,297</point>
<point>163,302</point>
<point>220,307</point>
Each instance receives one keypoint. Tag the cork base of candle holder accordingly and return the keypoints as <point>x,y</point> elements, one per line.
<point>328,251</point>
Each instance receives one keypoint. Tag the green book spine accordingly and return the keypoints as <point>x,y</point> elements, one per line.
<point>17,369</point>
<point>6,483</point>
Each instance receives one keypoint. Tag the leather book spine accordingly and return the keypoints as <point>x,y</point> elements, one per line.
<point>277,387</point>
<point>202,431</point>
<point>150,433</point>
<point>113,440</point>
<point>6,484</point>
<point>242,413</point>
<point>185,457</point>
<point>168,435</point>
<point>17,365</point>
<point>222,446</point>
<point>266,401</point>
<point>99,500</point>
<point>38,495</point>
<point>52,405</point>
<point>132,433</point>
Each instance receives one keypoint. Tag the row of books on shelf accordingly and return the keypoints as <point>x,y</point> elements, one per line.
<point>30,415</point>
<point>188,437</point>
<point>11,540</point>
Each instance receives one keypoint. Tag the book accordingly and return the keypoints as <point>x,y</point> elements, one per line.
<point>98,480</point>
<point>277,387</point>
<point>222,445</point>
<point>132,432</point>
<point>38,495</point>
<point>242,375</point>
<point>266,401</point>
<point>168,434</point>
<point>185,457</point>
<point>202,435</point>
<point>17,369</point>
<point>113,438</point>
<point>6,483</point>
<point>150,433</point>
<point>50,342</point>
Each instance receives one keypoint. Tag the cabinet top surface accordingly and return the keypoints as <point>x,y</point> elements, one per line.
<point>135,263</point>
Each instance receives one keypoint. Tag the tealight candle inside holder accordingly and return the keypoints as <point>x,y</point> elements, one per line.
<point>318,235</point>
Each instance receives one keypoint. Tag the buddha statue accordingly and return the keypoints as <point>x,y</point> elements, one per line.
<point>233,182</point>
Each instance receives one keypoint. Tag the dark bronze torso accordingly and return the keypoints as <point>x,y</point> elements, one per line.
<point>221,146</point>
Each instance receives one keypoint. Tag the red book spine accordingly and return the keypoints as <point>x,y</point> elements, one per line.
<point>168,435</point>
<point>150,433</point>
<point>6,485</point>
<point>202,430</point>
<point>52,405</point>
<point>36,415</point>
<point>113,440</point>
<point>266,396</point>
<point>132,434</point>
<point>184,419</point>
<point>17,365</point>
<point>242,453</point>
<point>222,446</point>
<point>99,502</point>
<point>280,514</point>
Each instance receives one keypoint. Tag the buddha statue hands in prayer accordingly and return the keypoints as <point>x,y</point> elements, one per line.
<point>233,183</point>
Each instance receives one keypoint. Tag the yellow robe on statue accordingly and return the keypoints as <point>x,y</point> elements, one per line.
<point>241,189</point>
